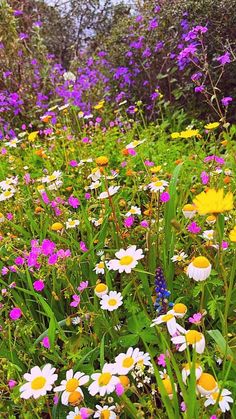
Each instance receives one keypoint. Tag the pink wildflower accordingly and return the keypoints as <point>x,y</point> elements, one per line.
<point>196,319</point>
<point>45,342</point>
<point>15,313</point>
<point>194,228</point>
<point>82,286</point>
<point>119,389</point>
<point>38,285</point>
<point>165,197</point>
<point>129,221</point>
<point>76,301</point>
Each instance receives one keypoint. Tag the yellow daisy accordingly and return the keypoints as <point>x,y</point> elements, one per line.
<point>213,202</point>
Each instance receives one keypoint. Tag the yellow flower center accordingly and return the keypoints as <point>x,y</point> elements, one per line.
<point>52,177</point>
<point>216,395</point>
<point>72,385</point>
<point>132,211</point>
<point>7,193</point>
<point>128,362</point>
<point>124,380</point>
<point>78,417</point>
<point>100,265</point>
<point>126,260</point>
<point>75,397</point>
<point>104,379</point>
<point>201,262</point>
<point>112,302</point>
<point>101,287</point>
<point>105,414</point>
<point>158,183</point>
<point>167,384</point>
<point>38,383</point>
<point>57,226</point>
<point>193,336</point>
<point>207,381</point>
<point>167,317</point>
<point>180,308</point>
<point>189,207</point>
<point>211,218</point>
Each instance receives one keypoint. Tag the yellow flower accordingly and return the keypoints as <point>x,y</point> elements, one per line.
<point>213,202</point>
<point>155,169</point>
<point>57,227</point>
<point>32,136</point>
<point>101,161</point>
<point>99,105</point>
<point>232,234</point>
<point>212,125</point>
<point>189,133</point>
<point>175,135</point>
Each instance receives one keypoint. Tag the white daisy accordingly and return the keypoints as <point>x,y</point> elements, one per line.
<point>111,301</point>
<point>71,387</point>
<point>126,361</point>
<point>127,259</point>
<point>95,175</point>
<point>81,413</point>
<point>39,381</point>
<point>134,144</point>
<point>95,185</point>
<point>199,269</point>
<point>206,384</point>
<point>12,143</point>
<point>158,185</point>
<point>171,323</point>
<point>100,268</point>
<point>53,177</point>
<point>189,210</point>
<point>179,310</point>
<point>105,412</point>
<point>133,211</point>
<point>223,399</point>
<point>105,381</point>
<point>72,223</point>
<point>97,222</point>
<point>179,257</point>
<point>187,370</point>
<point>2,218</point>
<point>208,235</point>
<point>101,289</point>
<point>112,190</point>
<point>7,194</point>
<point>8,183</point>
<point>191,337</point>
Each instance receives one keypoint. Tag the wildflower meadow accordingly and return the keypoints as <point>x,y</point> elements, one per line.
<point>117,212</point>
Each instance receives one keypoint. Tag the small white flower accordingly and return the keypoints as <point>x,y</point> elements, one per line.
<point>105,412</point>
<point>56,175</point>
<point>126,259</point>
<point>158,185</point>
<point>76,321</point>
<point>105,381</point>
<point>12,143</point>
<point>189,210</point>
<point>187,370</point>
<point>95,185</point>
<point>112,190</point>
<point>69,76</point>
<point>100,268</point>
<point>191,337</point>
<point>208,235</point>
<point>39,381</point>
<point>7,194</point>
<point>71,387</point>
<point>111,301</point>
<point>134,144</point>
<point>127,361</point>
<point>179,257</point>
<point>224,398</point>
<point>72,223</point>
<point>101,289</point>
<point>199,269</point>
<point>171,323</point>
<point>133,211</point>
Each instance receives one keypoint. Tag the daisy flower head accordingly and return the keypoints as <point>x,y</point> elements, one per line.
<point>158,185</point>
<point>39,381</point>
<point>126,361</point>
<point>70,387</point>
<point>186,371</point>
<point>100,268</point>
<point>111,301</point>
<point>112,190</point>
<point>7,194</point>
<point>212,125</point>
<point>189,210</point>
<point>101,289</point>
<point>82,413</point>
<point>126,259</point>
<point>179,257</point>
<point>144,359</point>
<point>171,323</point>
<point>168,387</point>
<point>105,412</point>
<point>133,211</point>
<point>179,310</point>
<point>223,398</point>
<point>72,223</point>
<point>134,144</point>
<point>191,337</point>
<point>208,235</point>
<point>199,269</point>
<point>206,384</point>
<point>105,381</point>
<point>213,202</point>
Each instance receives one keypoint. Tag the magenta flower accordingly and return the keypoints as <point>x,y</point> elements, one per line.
<point>194,228</point>
<point>27,178</point>
<point>205,178</point>
<point>161,360</point>
<point>132,151</point>
<point>119,389</point>
<point>45,342</point>
<point>224,59</point>
<point>38,285</point>
<point>52,259</point>
<point>19,261</point>
<point>82,286</point>
<point>83,247</point>
<point>224,245</point>
<point>45,198</point>
<point>144,224</point>
<point>55,400</point>
<point>73,202</point>
<point>73,163</point>
<point>12,383</point>
<point>196,318</point>
<point>165,197</point>
<point>129,221</point>
<point>76,300</point>
<point>9,216</point>
<point>149,163</point>
<point>15,313</point>
<point>47,247</point>
<point>226,101</point>
<point>87,195</point>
